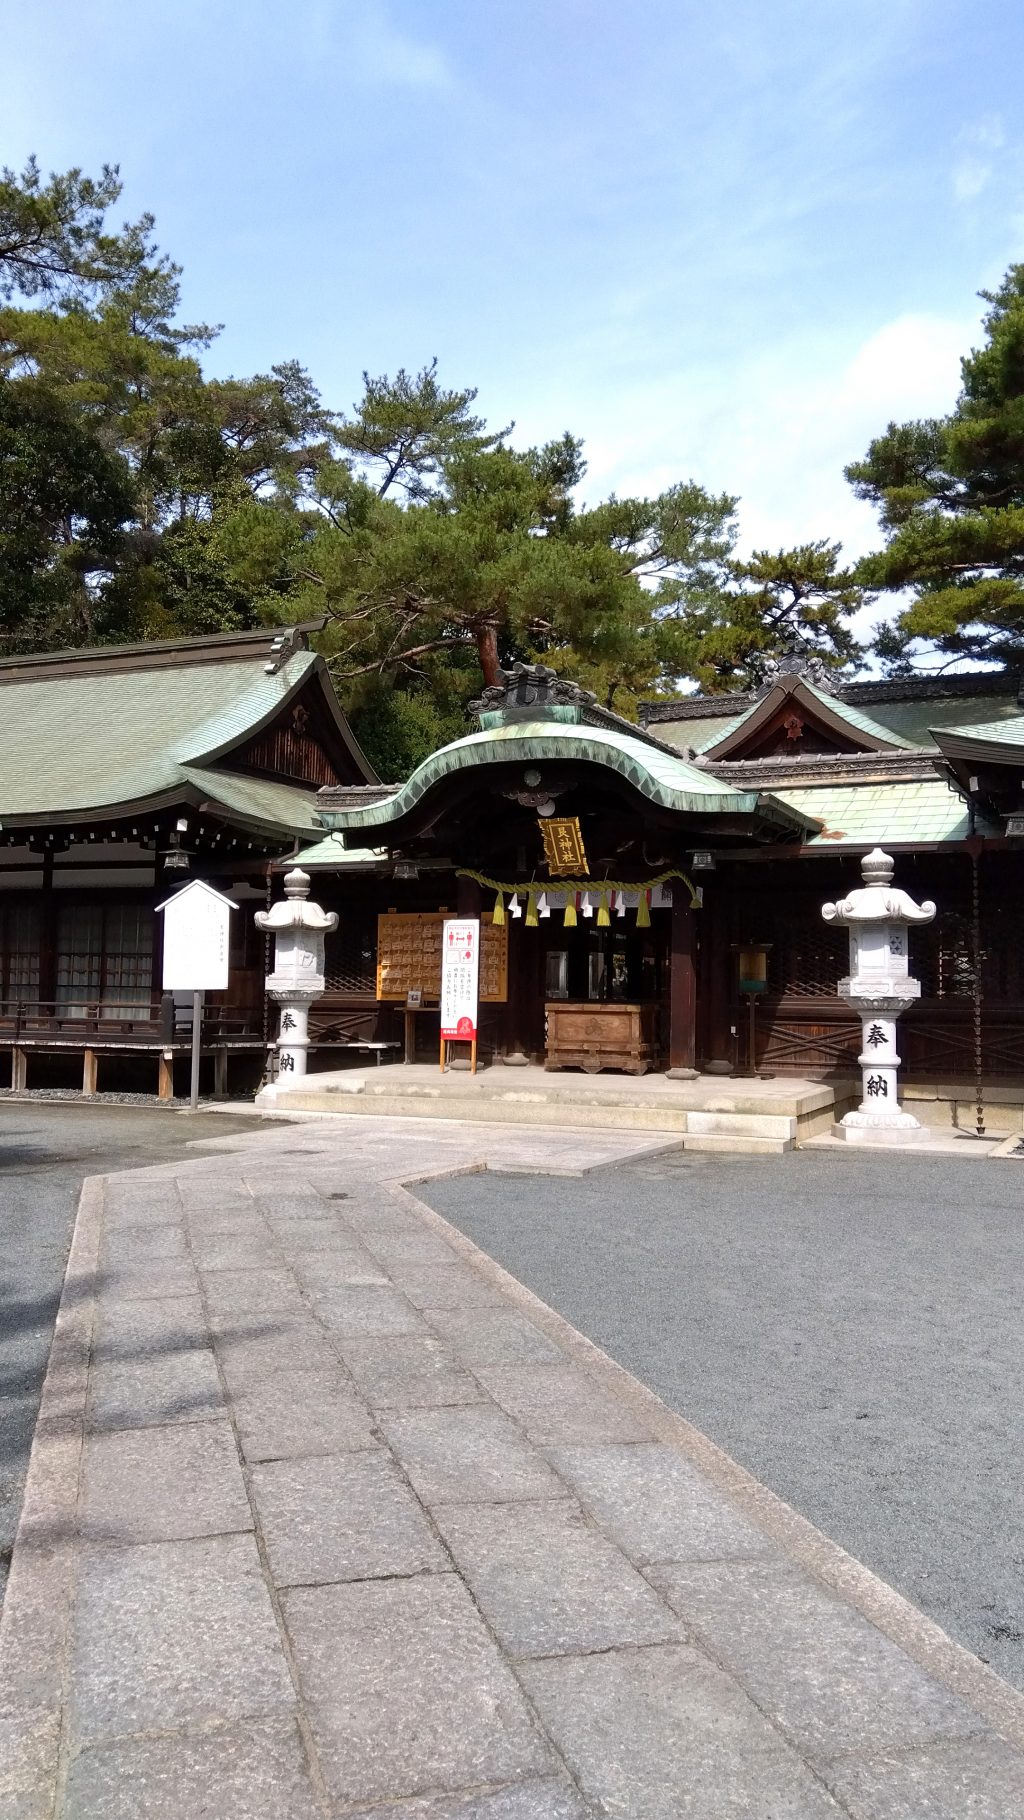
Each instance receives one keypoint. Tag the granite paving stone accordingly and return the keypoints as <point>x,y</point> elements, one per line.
<point>135,1330</point>
<point>178,1387</point>
<point>662,1734</point>
<point>468,1453</point>
<point>225,1222</point>
<point>365,1310</point>
<point>174,1633</point>
<point>136,1280</point>
<point>126,1244</point>
<point>256,1771</point>
<point>968,1779</point>
<point>445,1286</point>
<point>544,1799</point>
<point>407,1692</point>
<point>409,1371</point>
<point>285,1206</point>
<point>301,1412</point>
<point>251,1349</point>
<point>147,1206</point>
<point>560,1404</point>
<point>499,1337</point>
<point>249,1250</point>
<point>158,1484</point>
<point>420,1247</point>
<point>324,1234</point>
<point>478,1587</point>
<point>240,1292</point>
<point>548,1582</point>
<point>322,1273</point>
<point>824,1673</point>
<point>656,1505</point>
<point>347,1516</point>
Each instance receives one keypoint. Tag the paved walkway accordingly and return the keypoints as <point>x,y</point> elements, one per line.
<point>327,1515</point>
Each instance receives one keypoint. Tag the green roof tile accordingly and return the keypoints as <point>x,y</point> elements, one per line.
<point>926,811</point>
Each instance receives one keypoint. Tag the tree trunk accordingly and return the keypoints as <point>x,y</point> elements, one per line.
<point>487,651</point>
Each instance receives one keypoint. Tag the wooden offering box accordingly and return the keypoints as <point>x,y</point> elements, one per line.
<point>596,1036</point>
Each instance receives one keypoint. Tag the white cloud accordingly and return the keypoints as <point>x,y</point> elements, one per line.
<point>974,167</point>
<point>384,54</point>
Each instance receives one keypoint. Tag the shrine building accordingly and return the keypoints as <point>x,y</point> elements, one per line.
<point>650,895</point>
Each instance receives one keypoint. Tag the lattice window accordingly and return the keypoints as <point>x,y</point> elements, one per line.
<point>942,958</point>
<point>807,960</point>
<point>351,955</point>
<point>19,952</point>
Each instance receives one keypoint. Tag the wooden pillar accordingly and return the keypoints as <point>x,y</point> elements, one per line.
<point>719,972</point>
<point>19,1070</point>
<point>165,1077</point>
<point>47,933</point>
<point>682,986</point>
<point>90,1071</point>
<point>467,897</point>
<point>220,1074</point>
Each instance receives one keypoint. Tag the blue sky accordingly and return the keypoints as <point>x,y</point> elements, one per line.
<point>719,241</point>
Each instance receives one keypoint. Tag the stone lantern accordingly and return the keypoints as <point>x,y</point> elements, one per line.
<point>298,928</point>
<point>879,987</point>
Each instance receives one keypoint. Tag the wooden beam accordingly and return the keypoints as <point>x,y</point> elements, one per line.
<point>19,1070</point>
<point>90,1071</point>
<point>165,1077</point>
<point>220,1074</point>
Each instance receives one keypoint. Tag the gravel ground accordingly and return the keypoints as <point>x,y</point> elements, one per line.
<point>848,1327</point>
<point>45,1152</point>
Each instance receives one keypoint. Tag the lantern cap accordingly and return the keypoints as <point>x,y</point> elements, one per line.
<point>878,901</point>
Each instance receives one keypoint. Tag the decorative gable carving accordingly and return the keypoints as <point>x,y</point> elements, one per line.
<point>791,719</point>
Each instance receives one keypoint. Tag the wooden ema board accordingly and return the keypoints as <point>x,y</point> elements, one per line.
<point>409,957</point>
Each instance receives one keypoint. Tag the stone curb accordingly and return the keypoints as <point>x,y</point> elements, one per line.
<point>35,1625</point>
<point>919,1636</point>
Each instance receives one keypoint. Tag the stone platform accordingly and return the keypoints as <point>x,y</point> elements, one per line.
<point>328,1515</point>
<point>713,1112</point>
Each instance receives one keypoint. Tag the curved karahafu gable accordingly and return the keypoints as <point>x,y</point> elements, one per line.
<point>657,776</point>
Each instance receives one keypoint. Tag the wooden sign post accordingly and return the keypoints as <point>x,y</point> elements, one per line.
<point>460,972</point>
<point>196,944</point>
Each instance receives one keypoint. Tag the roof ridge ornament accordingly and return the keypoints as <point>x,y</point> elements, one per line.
<point>529,690</point>
<point>795,660</point>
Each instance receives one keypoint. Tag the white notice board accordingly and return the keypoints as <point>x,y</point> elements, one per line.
<point>460,969</point>
<point>197,928</point>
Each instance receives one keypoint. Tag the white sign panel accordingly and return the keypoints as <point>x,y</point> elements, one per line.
<point>197,925</point>
<point>460,966</point>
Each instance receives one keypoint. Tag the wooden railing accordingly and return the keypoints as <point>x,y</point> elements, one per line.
<point>155,1020</point>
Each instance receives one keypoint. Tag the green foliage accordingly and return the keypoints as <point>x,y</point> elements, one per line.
<point>794,601</point>
<point>52,241</point>
<point>950,494</point>
<point>147,500</point>
<point>64,500</point>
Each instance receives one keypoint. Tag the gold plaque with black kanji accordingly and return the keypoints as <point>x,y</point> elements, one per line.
<point>563,846</point>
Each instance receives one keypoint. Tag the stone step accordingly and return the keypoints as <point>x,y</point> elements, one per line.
<point>741,1124</point>
<point>492,1109</point>
<point>738,1144</point>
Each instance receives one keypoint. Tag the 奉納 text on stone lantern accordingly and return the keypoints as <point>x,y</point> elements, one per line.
<point>298,928</point>
<point>879,987</point>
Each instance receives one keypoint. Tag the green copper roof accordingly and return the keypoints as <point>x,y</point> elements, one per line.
<point>897,814</point>
<point>257,799</point>
<point>662,778</point>
<point>916,719</point>
<point>91,739</point>
<point>1007,731</point>
<point>330,853</point>
<point>855,719</point>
